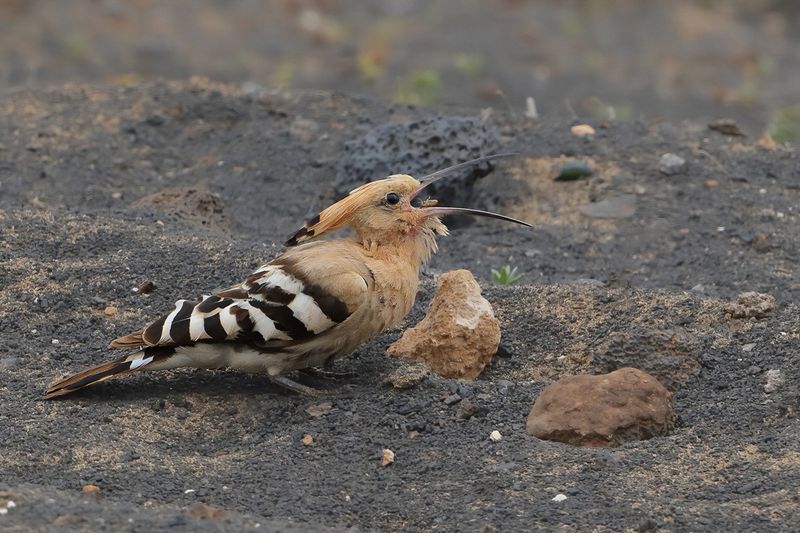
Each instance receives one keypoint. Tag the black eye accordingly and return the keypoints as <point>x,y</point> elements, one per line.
<point>392,198</point>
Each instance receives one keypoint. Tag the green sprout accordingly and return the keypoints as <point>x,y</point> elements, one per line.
<point>785,124</point>
<point>507,275</point>
<point>421,87</point>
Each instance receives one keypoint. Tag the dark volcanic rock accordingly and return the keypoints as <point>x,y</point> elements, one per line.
<point>605,410</point>
<point>418,148</point>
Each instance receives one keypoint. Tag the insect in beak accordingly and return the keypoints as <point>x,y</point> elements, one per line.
<point>430,207</point>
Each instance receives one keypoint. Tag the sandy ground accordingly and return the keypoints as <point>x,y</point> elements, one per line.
<point>83,223</point>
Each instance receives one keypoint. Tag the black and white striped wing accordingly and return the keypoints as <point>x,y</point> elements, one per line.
<point>273,306</point>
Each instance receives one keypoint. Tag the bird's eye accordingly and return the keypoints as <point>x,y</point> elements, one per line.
<point>392,198</point>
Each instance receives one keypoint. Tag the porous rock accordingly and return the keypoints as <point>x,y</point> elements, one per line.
<point>418,148</point>
<point>407,376</point>
<point>751,305</point>
<point>458,335</point>
<point>666,354</point>
<point>604,410</point>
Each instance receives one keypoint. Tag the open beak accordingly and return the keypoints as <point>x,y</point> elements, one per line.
<point>442,211</point>
<point>434,210</point>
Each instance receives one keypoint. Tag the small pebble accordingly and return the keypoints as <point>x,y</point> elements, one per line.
<point>775,380</point>
<point>91,489</point>
<point>452,399</point>
<point>110,310</point>
<point>387,457</point>
<point>495,436</point>
<point>55,341</point>
<point>760,243</point>
<point>748,347</point>
<point>465,409</point>
<point>727,126</point>
<point>407,376</point>
<point>307,440</point>
<point>146,288</point>
<point>559,497</point>
<point>582,130</point>
<point>671,164</point>
<point>711,184</point>
<point>503,386</point>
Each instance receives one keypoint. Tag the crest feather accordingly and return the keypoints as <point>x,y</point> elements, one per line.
<point>333,217</point>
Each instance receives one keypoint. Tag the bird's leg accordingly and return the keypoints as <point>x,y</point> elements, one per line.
<point>294,386</point>
<point>327,374</point>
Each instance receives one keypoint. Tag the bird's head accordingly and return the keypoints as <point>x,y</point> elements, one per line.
<point>391,209</point>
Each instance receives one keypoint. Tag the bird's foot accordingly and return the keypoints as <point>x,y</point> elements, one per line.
<point>294,386</point>
<point>327,374</point>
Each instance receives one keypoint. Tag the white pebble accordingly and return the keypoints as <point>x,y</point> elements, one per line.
<point>3,510</point>
<point>189,491</point>
<point>54,341</point>
<point>10,504</point>
<point>495,436</point>
<point>559,497</point>
<point>774,380</point>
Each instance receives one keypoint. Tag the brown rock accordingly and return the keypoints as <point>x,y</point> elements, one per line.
<point>751,305</point>
<point>459,334</point>
<point>760,243</point>
<point>605,410</point>
<point>110,310</point>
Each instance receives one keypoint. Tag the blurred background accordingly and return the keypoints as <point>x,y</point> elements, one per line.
<point>605,59</point>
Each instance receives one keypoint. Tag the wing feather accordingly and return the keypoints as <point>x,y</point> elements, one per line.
<point>276,303</point>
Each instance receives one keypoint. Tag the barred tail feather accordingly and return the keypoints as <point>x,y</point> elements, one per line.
<point>107,370</point>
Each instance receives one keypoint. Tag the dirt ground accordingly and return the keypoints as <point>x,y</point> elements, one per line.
<point>84,220</point>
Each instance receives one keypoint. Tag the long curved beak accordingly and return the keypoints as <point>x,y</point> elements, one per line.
<point>439,174</point>
<point>442,211</point>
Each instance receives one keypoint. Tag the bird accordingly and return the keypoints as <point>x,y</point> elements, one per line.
<point>312,304</point>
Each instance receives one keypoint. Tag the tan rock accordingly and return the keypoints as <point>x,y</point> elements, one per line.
<point>459,334</point>
<point>387,457</point>
<point>582,130</point>
<point>751,305</point>
<point>605,410</point>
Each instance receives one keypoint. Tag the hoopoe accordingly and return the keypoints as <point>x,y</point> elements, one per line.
<point>314,303</point>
